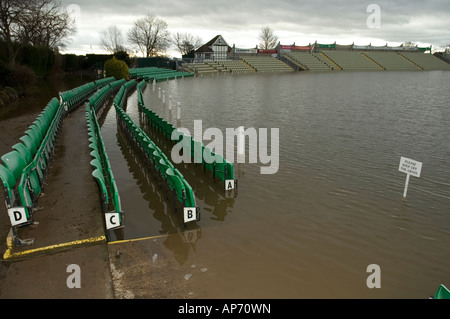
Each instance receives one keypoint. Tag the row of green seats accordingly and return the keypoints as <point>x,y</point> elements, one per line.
<point>158,74</point>
<point>24,169</point>
<point>177,183</point>
<point>168,76</point>
<point>103,82</point>
<point>103,174</point>
<point>134,72</point>
<point>98,98</point>
<point>125,87</point>
<point>72,98</point>
<point>140,87</point>
<point>216,163</point>
<point>182,190</point>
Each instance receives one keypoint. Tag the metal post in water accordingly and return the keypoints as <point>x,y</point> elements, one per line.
<point>406,186</point>
<point>170,102</point>
<point>159,92</point>
<point>178,110</point>
<point>164,97</point>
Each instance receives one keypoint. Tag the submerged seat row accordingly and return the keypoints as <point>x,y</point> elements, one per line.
<point>103,174</point>
<point>172,177</point>
<point>216,163</point>
<point>24,169</point>
<point>158,74</point>
<point>98,98</point>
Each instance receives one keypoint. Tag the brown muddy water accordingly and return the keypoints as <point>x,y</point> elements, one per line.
<point>335,205</point>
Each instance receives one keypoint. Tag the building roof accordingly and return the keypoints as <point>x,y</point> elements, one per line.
<point>217,40</point>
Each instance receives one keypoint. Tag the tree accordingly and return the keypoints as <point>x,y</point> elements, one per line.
<point>45,23</point>
<point>36,22</point>
<point>150,35</point>
<point>116,68</point>
<point>186,42</point>
<point>111,40</point>
<point>10,11</point>
<point>268,39</point>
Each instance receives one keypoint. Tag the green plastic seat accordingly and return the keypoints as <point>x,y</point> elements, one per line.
<point>38,130</point>
<point>35,183</point>
<point>24,151</point>
<point>175,183</point>
<point>26,198</point>
<point>190,198</point>
<point>30,143</point>
<point>95,162</point>
<point>442,293</point>
<point>98,175</point>
<point>9,182</point>
<point>15,163</point>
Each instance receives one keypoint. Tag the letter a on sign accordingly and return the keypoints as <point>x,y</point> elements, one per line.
<point>229,184</point>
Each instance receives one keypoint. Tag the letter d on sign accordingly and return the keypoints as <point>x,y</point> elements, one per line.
<point>17,215</point>
<point>374,280</point>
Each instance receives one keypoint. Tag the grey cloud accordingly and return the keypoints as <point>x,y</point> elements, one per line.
<point>400,20</point>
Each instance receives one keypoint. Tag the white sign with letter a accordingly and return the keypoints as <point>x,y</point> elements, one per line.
<point>229,184</point>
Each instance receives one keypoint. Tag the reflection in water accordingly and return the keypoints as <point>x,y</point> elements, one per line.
<point>153,192</point>
<point>206,189</point>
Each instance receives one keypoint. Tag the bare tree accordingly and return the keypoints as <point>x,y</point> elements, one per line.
<point>35,22</point>
<point>45,23</point>
<point>111,40</point>
<point>150,35</point>
<point>10,11</point>
<point>186,42</point>
<point>268,38</point>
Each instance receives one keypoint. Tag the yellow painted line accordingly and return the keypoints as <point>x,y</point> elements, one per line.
<point>135,239</point>
<point>93,240</point>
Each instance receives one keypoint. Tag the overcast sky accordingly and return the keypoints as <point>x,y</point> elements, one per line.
<point>293,21</point>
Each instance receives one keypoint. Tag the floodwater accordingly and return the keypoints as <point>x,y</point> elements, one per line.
<point>335,205</point>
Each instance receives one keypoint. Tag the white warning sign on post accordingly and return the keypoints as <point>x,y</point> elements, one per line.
<point>409,166</point>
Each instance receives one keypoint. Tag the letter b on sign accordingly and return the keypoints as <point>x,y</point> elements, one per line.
<point>190,214</point>
<point>374,280</point>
